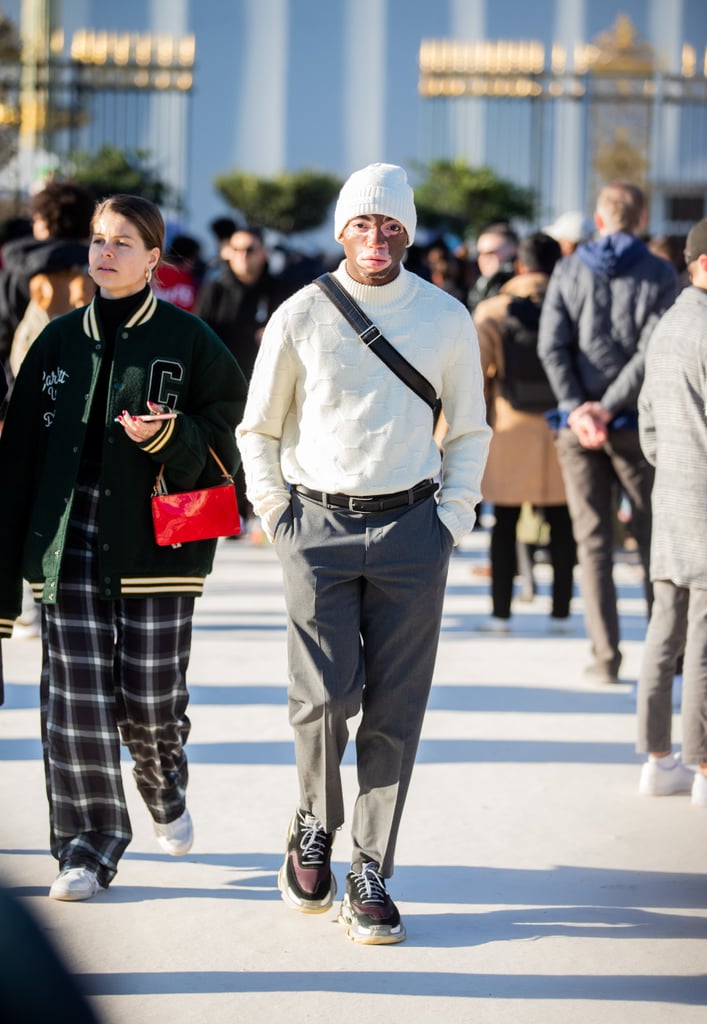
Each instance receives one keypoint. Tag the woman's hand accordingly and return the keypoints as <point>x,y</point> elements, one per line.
<point>139,429</point>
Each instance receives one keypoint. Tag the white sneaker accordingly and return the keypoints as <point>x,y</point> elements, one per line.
<point>75,884</point>
<point>560,627</point>
<point>176,837</point>
<point>699,789</point>
<point>658,781</point>
<point>494,625</point>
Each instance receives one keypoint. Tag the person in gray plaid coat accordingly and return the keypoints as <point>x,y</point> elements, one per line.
<point>673,434</point>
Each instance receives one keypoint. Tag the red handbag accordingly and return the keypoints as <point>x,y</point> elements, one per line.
<point>195,515</point>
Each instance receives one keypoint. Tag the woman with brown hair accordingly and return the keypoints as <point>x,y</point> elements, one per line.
<point>106,395</point>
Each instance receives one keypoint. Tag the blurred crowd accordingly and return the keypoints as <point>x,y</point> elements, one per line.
<point>247,272</point>
<point>239,280</point>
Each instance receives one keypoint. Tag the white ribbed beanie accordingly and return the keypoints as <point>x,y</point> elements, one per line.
<point>378,188</point>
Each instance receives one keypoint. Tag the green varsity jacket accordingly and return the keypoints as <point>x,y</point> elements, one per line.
<point>162,354</point>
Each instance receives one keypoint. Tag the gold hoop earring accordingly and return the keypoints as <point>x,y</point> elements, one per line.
<point>148,274</point>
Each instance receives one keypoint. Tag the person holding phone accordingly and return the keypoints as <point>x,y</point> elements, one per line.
<point>107,394</point>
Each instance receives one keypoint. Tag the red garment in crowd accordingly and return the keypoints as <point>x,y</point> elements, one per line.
<point>176,285</point>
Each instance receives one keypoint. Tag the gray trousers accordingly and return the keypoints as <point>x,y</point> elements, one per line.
<point>678,622</point>
<point>591,477</point>
<point>364,599</point>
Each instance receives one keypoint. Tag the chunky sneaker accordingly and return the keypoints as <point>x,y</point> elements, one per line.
<point>75,884</point>
<point>699,789</point>
<point>176,837</point>
<point>659,781</point>
<point>305,879</point>
<point>367,910</point>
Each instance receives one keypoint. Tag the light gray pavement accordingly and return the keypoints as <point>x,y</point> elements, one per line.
<point>536,885</point>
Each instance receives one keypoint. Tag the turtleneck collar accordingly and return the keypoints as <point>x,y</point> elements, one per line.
<point>378,297</point>
<point>132,310</point>
<point>122,307</point>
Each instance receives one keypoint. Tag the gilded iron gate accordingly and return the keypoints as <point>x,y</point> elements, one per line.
<point>605,110</point>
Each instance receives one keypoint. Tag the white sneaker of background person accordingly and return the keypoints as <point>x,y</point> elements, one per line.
<point>699,789</point>
<point>665,776</point>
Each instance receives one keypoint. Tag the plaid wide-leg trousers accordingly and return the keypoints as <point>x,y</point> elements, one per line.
<point>111,670</point>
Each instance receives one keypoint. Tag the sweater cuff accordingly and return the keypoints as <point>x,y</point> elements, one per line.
<point>271,518</point>
<point>451,521</point>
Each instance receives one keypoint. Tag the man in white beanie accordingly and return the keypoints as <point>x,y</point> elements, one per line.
<point>342,469</point>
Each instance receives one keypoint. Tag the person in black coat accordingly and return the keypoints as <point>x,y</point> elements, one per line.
<point>237,305</point>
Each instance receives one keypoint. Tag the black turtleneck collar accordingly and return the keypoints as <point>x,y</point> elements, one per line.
<point>114,312</point>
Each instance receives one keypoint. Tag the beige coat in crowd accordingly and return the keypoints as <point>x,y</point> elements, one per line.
<point>522,464</point>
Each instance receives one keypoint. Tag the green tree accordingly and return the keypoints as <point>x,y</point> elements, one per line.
<point>112,170</point>
<point>452,196</point>
<point>289,203</point>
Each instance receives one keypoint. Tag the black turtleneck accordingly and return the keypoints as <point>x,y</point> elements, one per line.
<point>112,314</point>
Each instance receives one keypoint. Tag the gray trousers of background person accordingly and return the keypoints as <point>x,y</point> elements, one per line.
<point>591,477</point>
<point>364,597</point>
<point>678,622</point>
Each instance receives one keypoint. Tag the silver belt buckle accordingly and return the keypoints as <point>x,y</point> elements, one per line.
<point>374,333</point>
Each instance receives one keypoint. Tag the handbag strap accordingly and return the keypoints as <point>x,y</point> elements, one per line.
<point>372,338</point>
<point>160,488</point>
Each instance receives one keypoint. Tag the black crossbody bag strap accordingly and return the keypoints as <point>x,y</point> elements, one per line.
<point>380,346</point>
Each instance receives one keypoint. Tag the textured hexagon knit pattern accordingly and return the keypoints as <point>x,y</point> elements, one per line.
<point>324,412</point>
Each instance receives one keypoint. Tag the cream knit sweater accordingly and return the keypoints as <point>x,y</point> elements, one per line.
<point>324,412</point>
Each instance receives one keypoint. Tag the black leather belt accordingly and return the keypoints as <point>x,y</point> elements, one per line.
<point>376,503</point>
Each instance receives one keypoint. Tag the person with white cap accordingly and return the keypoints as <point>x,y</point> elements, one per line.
<point>569,230</point>
<point>343,470</point>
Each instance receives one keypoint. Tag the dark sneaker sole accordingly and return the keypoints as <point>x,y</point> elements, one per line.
<point>378,935</point>
<point>296,902</point>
